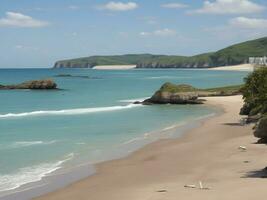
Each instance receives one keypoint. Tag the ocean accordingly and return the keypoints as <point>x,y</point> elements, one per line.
<point>90,120</point>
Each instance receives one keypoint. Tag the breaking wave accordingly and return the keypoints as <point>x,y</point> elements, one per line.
<point>30,174</point>
<point>77,111</point>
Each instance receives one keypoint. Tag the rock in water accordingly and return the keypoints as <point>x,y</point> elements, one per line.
<point>32,85</point>
<point>187,94</point>
<point>175,98</point>
<point>175,94</point>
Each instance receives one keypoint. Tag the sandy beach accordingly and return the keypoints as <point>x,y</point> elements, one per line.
<point>159,171</point>
<point>114,67</point>
<point>242,67</point>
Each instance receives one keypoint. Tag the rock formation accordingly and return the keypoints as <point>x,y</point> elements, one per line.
<point>261,128</point>
<point>32,85</point>
<point>187,94</point>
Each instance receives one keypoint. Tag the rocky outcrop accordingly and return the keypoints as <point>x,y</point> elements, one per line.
<point>186,94</point>
<point>261,128</point>
<point>32,85</point>
<point>162,97</point>
<point>75,76</point>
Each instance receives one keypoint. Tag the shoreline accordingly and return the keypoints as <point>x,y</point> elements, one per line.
<point>64,177</point>
<point>212,156</point>
<point>114,67</point>
<point>241,67</point>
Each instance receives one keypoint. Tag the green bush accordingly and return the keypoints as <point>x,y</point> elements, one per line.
<point>255,92</point>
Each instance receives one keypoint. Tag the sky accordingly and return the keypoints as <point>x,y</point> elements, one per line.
<point>36,33</point>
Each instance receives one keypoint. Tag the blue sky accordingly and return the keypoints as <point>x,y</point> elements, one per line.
<point>36,33</point>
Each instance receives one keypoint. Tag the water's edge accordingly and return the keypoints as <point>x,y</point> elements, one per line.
<point>63,177</point>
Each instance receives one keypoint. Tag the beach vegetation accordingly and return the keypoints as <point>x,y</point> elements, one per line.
<point>255,92</point>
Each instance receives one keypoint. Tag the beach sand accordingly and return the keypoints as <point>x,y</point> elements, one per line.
<point>114,67</point>
<point>242,67</point>
<point>159,171</point>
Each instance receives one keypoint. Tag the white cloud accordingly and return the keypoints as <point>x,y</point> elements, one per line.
<point>118,6</point>
<point>162,33</point>
<point>174,5</point>
<point>240,28</point>
<point>13,19</point>
<point>249,23</point>
<point>229,7</point>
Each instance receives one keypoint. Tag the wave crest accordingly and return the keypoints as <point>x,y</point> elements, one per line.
<point>77,111</point>
<point>30,174</point>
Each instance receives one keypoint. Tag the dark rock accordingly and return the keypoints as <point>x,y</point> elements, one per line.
<point>147,102</point>
<point>262,141</point>
<point>137,102</point>
<point>261,128</point>
<point>75,76</point>
<point>253,119</point>
<point>174,98</point>
<point>245,110</point>
<point>32,85</point>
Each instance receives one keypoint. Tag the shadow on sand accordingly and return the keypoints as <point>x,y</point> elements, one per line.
<point>233,124</point>
<point>256,174</point>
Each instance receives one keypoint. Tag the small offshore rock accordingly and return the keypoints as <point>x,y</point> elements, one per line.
<point>32,85</point>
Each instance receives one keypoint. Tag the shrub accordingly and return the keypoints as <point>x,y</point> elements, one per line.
<point>255,92</point>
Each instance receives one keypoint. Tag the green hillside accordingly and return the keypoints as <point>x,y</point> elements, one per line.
<point>88,62</point>
<point>235,54</point>
<point>239,53</point>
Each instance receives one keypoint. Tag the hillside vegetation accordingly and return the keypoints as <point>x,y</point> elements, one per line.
<point>235,54</point>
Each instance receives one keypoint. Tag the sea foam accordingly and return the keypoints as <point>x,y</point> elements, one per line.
<point>133,100</point>
<point>77,111</point>
<point>31,143</point>
<point>30,174</point>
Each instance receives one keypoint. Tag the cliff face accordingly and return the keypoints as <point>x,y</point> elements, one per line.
<point>66,64</point>
<point>158,64</point>
<point>233,55</point>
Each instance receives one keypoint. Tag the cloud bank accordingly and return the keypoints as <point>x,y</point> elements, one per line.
<point>118,6</point>
<point>229,7</point>
<point>13,19</point>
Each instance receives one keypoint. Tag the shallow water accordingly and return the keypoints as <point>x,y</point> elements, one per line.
<point>89,120</point>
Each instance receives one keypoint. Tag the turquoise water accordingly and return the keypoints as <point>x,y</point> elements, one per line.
<point>89,120</point>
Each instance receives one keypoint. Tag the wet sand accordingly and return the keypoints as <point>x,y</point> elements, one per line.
<point>209,153</point>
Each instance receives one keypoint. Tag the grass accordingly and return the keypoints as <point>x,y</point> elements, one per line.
<point>226,90</point>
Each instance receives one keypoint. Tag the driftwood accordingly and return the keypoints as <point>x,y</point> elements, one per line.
<point>201,187</point>
<point>243,148</point>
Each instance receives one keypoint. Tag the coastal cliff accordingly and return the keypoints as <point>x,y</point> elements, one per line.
<point>232,55</point>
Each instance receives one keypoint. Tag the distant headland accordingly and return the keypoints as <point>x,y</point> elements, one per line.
<point>233,55</point>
